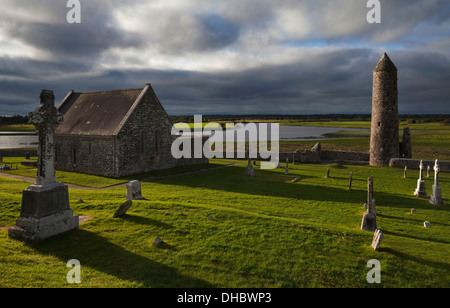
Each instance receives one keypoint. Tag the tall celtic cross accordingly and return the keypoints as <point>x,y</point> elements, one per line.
<point>46,119</point>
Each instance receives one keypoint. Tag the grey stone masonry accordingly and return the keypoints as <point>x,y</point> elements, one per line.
<point>384,136</point>
<point>444,165</point>
<point>45,207</point>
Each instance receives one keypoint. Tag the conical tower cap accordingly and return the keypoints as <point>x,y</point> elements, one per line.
<point>385,64</point>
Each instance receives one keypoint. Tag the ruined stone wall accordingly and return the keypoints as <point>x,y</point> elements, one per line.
<point>86,154</point>
<point>345,156</point>
<point>444,165</point>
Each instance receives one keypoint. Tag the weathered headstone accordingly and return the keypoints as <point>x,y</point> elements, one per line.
<point>427,224</point>
<point>404,172</point>
<point>377,239</point>
<point>328,173</point>
<point>420,189</point>
<point>249,171</point>
<point>45,210</point>
<point>369,221</point>
<point>123,209</point>
<point>157,241</point>
<point>428,171</point>
<point>286,171</point>
<point>134,191</point>
<point>350,181</point>
<point>413,211</point>
<point>436,196</point>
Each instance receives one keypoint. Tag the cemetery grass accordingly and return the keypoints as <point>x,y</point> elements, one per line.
<point>273,230</point>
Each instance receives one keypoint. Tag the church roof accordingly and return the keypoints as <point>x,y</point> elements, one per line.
<point>98,113</point>
<point>385,64</point>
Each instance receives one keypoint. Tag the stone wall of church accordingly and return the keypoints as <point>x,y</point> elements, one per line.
<point>145,140</point>
<point>86,154</point>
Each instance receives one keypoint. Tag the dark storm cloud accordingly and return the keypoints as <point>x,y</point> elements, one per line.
<point>305,56</point>
<point>97,32</point>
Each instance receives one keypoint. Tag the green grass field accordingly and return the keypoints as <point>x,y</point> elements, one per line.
<point>274,230</point>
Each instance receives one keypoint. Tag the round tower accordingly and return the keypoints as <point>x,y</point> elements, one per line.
<point>384,143</point>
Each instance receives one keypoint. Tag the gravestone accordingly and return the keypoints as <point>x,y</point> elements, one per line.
<point>210,218</point>
<point>45,210</point>
<point>420,189</point>
<point>249,171</point>
<point>350,181</point>
<point>427,224</point>
<point>134,191</point>
<point>428,171</point>
<point>436,196</point>
<point>404,172</point>
<point>328,173</point>
<point>377,239</point>
<point>369,221</point>
<point>123,209</point>
<point>413,211</point>
<point>286,171</point>
<point>158,241</point>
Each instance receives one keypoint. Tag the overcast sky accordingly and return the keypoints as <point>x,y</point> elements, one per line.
<point>227,56</point>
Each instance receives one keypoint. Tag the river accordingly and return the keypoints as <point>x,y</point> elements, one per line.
<point>15,140</point>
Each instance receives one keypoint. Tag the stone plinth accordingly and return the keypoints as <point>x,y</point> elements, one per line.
<point>436,196</point>
<point>45,212</point>
<point>420,189</point>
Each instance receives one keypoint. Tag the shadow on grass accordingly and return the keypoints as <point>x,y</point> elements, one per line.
<point>276,184</point>
<point>99,253</point>
<point>408,219</point>
<point>404,256</point>
<point>427,239</point>
<point>145,221</point>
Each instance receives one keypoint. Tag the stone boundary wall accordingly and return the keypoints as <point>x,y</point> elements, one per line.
<point>345,156</point>
<point>444,165</point>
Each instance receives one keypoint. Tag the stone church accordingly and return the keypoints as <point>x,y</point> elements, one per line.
<point>115,133</point>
